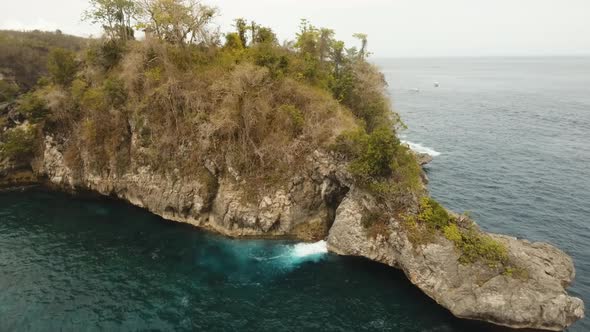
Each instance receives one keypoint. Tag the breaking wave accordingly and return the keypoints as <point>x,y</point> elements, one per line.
<point>417,147</point>
<point>310,249</point>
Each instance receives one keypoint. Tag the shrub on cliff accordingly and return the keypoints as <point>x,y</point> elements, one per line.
<point>472,244</point>
<point>33,107</point>
<point>62,66</point>
<point>8,91</point>
<point>106,54</point>
<point>382,165</point>
<point>433,214</point>
<point>17,144</point>
<point>372,154</point>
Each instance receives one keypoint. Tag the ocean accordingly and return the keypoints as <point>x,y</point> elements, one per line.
<point>509,138</point>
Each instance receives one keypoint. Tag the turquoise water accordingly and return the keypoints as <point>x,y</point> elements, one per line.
<point>75,264</point>
<point>513,138</point>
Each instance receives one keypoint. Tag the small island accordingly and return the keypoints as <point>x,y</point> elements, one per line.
<point>248,137</point>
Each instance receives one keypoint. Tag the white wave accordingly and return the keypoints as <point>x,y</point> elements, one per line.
<point>260,259</point>
<point>310,249</point>
<point>417,147</point>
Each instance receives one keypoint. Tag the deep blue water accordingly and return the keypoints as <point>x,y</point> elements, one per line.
<point>75,264</point>
<point>513,139</point>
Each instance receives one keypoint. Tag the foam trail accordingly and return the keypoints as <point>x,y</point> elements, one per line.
<point>417,147</point>
<point>310,249</point>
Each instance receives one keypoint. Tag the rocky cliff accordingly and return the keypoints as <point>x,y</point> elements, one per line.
<point>267,140</point>
<point>536,299</point>
<point>322,201</point>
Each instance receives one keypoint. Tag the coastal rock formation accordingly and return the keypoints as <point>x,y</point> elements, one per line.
<point>266,140</point>
<point>423,158</point>
<point>303,209</point>
<point>321,202</point>
<point>537,299</point>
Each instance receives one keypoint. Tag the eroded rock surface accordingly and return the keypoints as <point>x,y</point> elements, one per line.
<point>304,209</point>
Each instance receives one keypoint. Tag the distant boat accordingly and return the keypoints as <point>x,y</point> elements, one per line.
<point>436,85</point>
<point>415,90</point>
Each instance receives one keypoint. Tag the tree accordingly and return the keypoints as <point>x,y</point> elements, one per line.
<point>253,28</point>
<point>325,43</point>
<point>233,41</point>
<point>178,21</point>
<point>62,66</point>
<point>242,28</point>
<point>265,35</point>
<point>307,39</point>
<point>115,16</point>
<point>363,38</point>
<point>337,55</point>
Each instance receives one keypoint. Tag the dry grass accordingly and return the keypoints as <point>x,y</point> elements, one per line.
<point>235,117</point>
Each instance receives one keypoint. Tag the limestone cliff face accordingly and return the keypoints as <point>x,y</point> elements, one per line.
<point>304,208</point>
<point>322,202</point>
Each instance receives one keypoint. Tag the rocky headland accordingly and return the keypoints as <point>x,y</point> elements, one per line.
<point>322,202</point>
<point>262,140</point>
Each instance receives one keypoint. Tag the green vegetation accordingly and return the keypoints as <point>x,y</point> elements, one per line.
<point>473,244</point>
<point>23,55</point>
<point>381,164</point>
<point>62,66</point>
<point>17,144</point>
<point>433,214</point>
<point>114,16</point>
<point>33,107</point>
<point>8,91</point>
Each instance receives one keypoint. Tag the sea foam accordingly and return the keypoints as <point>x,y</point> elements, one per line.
<point>417,147</point>
<point>310,249</point>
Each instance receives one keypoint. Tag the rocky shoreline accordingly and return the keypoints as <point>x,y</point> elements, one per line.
<point>322,202</point>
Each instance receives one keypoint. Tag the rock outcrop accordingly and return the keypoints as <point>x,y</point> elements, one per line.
<point>537,299</point>
<point>423,158</point>
<point>323,202</point>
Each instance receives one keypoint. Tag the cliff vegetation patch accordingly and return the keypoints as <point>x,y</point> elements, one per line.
<point>473,244</point>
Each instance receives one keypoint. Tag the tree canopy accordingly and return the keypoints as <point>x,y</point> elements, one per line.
<point>115,16</point>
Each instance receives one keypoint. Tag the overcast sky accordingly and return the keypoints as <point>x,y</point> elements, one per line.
<point>395,27</point>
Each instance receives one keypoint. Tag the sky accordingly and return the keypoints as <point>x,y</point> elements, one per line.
<point>396,28</point>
